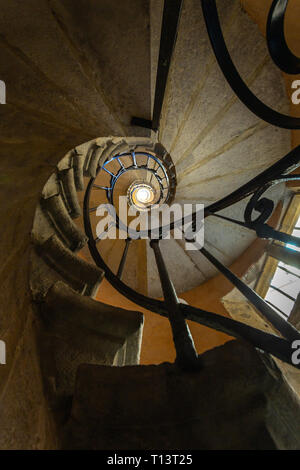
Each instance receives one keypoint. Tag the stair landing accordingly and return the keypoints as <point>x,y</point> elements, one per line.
<point>222,406</point>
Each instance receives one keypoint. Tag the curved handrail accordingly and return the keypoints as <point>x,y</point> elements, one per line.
<point>233,77</point>
<point>278,172</point>
<point>123,170</point>
<point>278,48</point>
<point>270,343</point>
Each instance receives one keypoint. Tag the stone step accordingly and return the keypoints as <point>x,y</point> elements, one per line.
<point>56,210</point>
<point>78,330</point>
<point>73,269</point>
<point>98,152</point>
<point>221,407</point>
<point>69,192</point>
<point>78,162</point>
<point>92,160</point>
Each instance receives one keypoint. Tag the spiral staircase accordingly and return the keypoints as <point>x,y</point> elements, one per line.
<point>206,148</point>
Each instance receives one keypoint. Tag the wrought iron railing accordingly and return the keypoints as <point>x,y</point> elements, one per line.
<point>178,313</point>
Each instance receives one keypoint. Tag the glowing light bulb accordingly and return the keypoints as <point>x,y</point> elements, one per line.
<point>143,195</point>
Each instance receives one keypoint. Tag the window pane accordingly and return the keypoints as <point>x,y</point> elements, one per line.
<point>295,233</point>
<point>286,282</point>
<point>278,299</point>
<point>290,268</point>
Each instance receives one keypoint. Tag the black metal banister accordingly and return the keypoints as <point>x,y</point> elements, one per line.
<point>232,76</point>
<point>286,329</point>
<point>123,259</point>
<point>170,22</point>
<point>186,355</point>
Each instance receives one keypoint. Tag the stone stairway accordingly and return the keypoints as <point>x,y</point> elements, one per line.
<point>80,330</point>
<point>238,401</point>
<point>215,144</point>
<point>75,328</point>
<point>233,402</point>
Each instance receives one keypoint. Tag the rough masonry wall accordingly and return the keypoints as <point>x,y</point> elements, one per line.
<point>55,101</point>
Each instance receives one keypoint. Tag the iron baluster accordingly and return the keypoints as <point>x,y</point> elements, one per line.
<point>106,188</point>
<point>286,329</point>
<point>170,22</point>
<point>186,355</point>
<point>109,172</point>
<point>123,259</point>
<point>120,163</point>
<point>134,159</point>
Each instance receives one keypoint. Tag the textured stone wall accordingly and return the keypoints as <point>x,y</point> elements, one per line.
<point>56,99</point>
<point>25,422</point>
